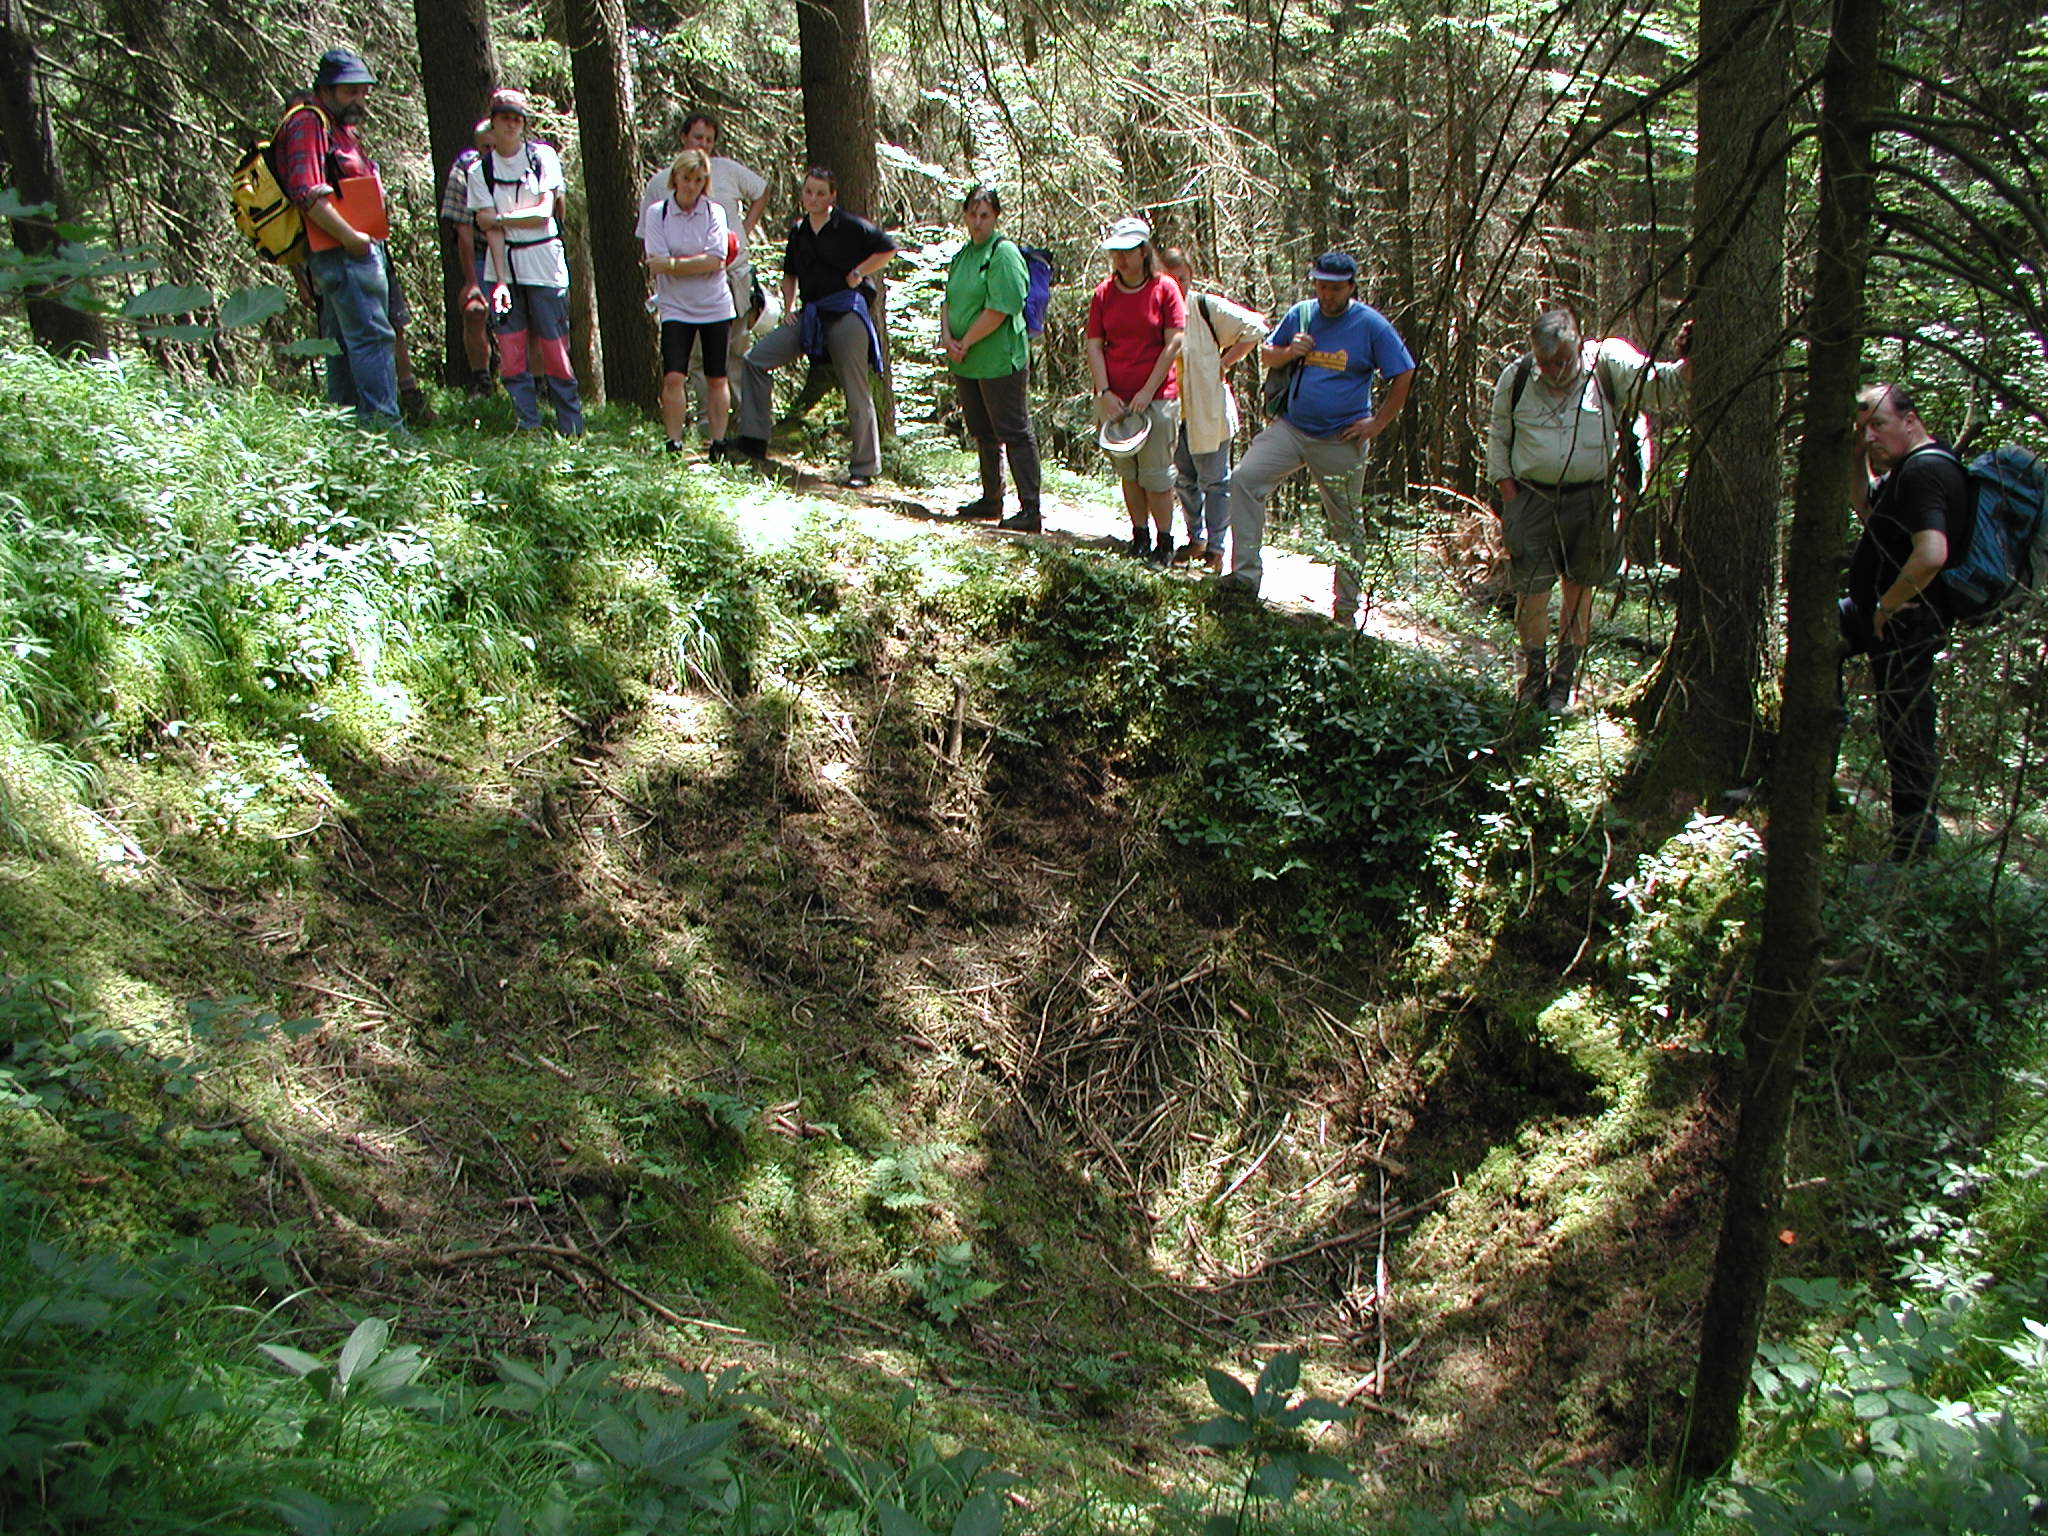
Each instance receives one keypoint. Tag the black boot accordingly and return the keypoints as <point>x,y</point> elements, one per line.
<point>1140,547</point>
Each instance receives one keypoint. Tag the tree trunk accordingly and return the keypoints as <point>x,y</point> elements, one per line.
<point>1774,1032</point>
<point>612,182</point>
<point>839,99</point>
<point>1705,735</point>
<point>458,68</point>
<point>31,152</point>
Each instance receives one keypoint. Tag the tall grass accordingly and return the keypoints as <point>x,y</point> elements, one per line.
<point>170,556</point>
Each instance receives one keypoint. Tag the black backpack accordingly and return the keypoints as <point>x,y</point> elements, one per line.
<point>1277,393</point>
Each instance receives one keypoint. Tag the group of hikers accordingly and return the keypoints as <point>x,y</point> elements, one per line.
<point>1159,351</point>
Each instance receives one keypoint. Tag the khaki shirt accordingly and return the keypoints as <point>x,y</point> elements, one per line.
<point>1208,405</point>
<point>1569,438</point>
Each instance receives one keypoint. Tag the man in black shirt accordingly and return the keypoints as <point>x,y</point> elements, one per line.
<point>1917,516</point>
<point>828,262</point>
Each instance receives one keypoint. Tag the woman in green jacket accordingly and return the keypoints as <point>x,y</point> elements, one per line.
<point>990,354</point>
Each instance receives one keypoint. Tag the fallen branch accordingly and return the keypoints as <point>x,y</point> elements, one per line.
<point>1342,1240</point>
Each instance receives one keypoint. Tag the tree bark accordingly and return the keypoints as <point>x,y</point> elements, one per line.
<point>612,182</point>
<point>31,152</point>
<point>1705,733</point>
<point>458,69</point>
<point>1774,1033</point>
<point>839,99</point>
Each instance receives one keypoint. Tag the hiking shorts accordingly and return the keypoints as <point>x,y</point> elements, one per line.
<point>401,312</point>
<point>1568,533</point>
<point>1151,466</point>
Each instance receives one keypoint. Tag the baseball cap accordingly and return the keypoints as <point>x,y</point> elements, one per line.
<point>509,101</point>
<point>1126,235</point>
<point>1333,267</point>
<point>342,66</point>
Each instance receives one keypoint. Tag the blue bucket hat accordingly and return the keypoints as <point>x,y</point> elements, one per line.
<point>342,66</point>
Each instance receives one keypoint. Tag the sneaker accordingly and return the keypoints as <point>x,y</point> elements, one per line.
<point>671,446</point>
<point>1140,547</point>
<point>1161,552</point>
<point>981,509</point>
<point>1191,552</point>
<point>1022,522</point>
<point>859,482</point>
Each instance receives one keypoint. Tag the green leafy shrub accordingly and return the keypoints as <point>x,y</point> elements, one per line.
<point>1323,766</point>
<point>1688,936</point>
<point>1262,1425</point>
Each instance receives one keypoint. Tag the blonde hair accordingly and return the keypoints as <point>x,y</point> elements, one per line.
<point>690,162</point>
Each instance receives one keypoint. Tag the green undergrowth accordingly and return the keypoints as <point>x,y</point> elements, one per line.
<point>529,1007</point>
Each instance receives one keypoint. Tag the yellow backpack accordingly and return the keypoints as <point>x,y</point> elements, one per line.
<point>267,218</point>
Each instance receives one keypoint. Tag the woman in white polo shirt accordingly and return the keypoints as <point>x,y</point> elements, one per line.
<point>688,249</point>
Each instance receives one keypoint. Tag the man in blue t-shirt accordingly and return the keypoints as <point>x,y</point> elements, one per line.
<point>1335,347</point>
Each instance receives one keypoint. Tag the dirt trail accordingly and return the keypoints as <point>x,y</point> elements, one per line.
<point>1293,583</point>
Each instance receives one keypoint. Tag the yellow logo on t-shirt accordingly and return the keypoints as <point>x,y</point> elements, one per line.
<point>1337,361</point>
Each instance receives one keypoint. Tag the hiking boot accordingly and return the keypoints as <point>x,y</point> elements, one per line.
<point>981,509</point>
<point>1024,520</point>
<point>672,446</point>
<point>1191,553</point>
<point>755,448</point>
<point>481,383</point>
<point>1161,552</point>
<point>1564,675</point>
<point>1534,690</point>
<point>1213,558</point>
<point>1140,547</point>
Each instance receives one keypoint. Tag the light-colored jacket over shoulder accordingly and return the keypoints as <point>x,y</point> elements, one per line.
<point>1208,406</point>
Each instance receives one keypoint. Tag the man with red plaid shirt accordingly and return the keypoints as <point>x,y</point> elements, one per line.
<point>323,167</point>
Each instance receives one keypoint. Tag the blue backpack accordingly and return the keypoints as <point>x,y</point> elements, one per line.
<point>1040,273</point>
<point>2007,558</point>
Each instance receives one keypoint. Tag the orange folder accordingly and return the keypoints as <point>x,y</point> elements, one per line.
<point>360,200</point>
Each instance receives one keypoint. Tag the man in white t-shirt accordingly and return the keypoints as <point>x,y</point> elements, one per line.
<point>743,194</point>
<point>514,190</point>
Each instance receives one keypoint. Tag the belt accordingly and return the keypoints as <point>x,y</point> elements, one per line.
<point>1564,488</point>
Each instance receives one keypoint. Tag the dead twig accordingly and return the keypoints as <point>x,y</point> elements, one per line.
<point>1343,1239</point>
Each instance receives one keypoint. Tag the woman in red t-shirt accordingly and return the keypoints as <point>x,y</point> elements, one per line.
<point>1135,321</point>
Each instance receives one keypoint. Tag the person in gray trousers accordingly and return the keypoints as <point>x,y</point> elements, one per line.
<point>829,262</point>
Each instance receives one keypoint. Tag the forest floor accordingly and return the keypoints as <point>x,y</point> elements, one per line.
<point>849,1058</point>
<point>1486,1248</point>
